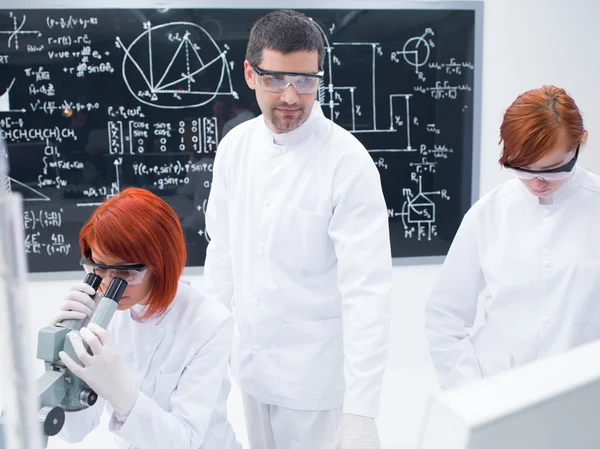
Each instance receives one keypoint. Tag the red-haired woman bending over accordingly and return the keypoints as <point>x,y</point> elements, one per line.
<point>161,366</point>
<point>530,245</point>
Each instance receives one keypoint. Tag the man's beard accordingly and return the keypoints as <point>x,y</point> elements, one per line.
<point>286,124</point>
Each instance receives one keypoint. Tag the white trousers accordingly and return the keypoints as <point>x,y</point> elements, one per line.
<point>274,427</point>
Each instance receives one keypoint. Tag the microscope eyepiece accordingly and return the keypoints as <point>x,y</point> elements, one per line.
<point>115,289</point>
<point>93,280</point>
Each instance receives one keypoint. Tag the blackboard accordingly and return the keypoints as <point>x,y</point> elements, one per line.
<point>96,100</point>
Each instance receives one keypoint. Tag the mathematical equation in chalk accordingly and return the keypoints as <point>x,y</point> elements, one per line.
<point>94,101</point>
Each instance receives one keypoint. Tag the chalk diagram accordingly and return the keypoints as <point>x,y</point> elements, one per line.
<point>106,192</point>
<point>12,185</point>
<point>342,98</point>
<point>192,74</point>
<point>416,50</point>
<point>5,99</point>
<point>418,212</point>
<point>17,30</point>
<point>27,193</point>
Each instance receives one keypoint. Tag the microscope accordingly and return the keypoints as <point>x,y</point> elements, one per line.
<point>58,389</point>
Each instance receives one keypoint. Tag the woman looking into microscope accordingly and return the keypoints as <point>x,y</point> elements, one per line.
<point>160,368</point>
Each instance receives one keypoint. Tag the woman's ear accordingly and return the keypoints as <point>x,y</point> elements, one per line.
<point>584,138</point>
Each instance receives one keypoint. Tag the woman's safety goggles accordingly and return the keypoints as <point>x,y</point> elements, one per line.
<point>132,274</point>
<point>272,81</point>
<point>554,174</point>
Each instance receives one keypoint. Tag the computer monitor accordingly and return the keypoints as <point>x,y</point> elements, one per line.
<point>553,403</point>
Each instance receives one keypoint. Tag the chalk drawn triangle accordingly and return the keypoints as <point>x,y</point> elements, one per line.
<point>28,193</point>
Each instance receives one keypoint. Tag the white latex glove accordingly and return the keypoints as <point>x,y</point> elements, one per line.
<point>105,371</point>
<point>78,304</point>
<point>357,432</point>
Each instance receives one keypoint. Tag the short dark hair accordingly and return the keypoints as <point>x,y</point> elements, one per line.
<point>285,31</point>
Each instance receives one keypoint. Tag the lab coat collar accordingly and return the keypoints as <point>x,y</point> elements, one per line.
<point>137,310</point>
<point>567,190</point>
<point>569,187</point>
<point>294,137</point>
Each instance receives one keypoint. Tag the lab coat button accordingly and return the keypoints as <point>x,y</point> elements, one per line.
<point>261,253</point>
<point>148,349</point>
<point>161,331</point>
<point>547,212</point>
<point>256,347</point>
<point>546,263</point>
<point>136,365</point>
<point>255,303</point>
<point>546,319</point>
<point>267,203</point>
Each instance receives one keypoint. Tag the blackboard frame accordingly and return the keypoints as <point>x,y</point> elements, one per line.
<point>477,6</point>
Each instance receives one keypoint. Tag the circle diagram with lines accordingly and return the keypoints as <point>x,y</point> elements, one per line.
<point>175,65</point>
<point>416,51</point>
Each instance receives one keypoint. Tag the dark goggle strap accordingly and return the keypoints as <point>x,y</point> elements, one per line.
<point>563,168</point>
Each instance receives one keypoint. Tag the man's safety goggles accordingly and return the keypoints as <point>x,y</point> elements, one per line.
<point>554,174</point>
<point>133,274</point>
<point>272,81</point>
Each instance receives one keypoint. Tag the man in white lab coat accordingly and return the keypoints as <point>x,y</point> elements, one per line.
<point>300,248</point>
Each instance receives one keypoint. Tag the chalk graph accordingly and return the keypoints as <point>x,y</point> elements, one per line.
<point>17,30</point>
<point>338,99</point>
<point>28,193</point>
<point>196,72</point>
<point>356,100</point>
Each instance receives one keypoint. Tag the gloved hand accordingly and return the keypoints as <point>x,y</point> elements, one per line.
<point>105,371</point>
<point>357,432</point>
<point>78,304</point>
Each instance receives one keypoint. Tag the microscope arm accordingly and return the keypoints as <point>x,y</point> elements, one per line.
<point>59,390</point>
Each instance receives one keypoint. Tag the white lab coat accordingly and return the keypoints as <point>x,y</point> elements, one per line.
<point>540,268</point>
<point>300,246</point>
<point>180,368</point>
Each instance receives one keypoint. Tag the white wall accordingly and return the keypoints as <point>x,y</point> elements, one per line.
<point>527,43</point>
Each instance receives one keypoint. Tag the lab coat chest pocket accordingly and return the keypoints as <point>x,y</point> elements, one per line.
<point>586,297</point>
<point>301,239</point>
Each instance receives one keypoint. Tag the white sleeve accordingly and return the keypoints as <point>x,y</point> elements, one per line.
<point>360,233</point>
<point>79,424</point>
<point>193,402</point>
<point>218,273</point>
<point>452,307</point>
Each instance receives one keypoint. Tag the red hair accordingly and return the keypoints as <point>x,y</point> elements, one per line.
<point>533,124</point>
<point>138,227</point>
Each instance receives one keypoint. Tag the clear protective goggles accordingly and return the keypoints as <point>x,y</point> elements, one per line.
<point>132,274</point>
<point>555,174</point>
<point>273,81</point>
